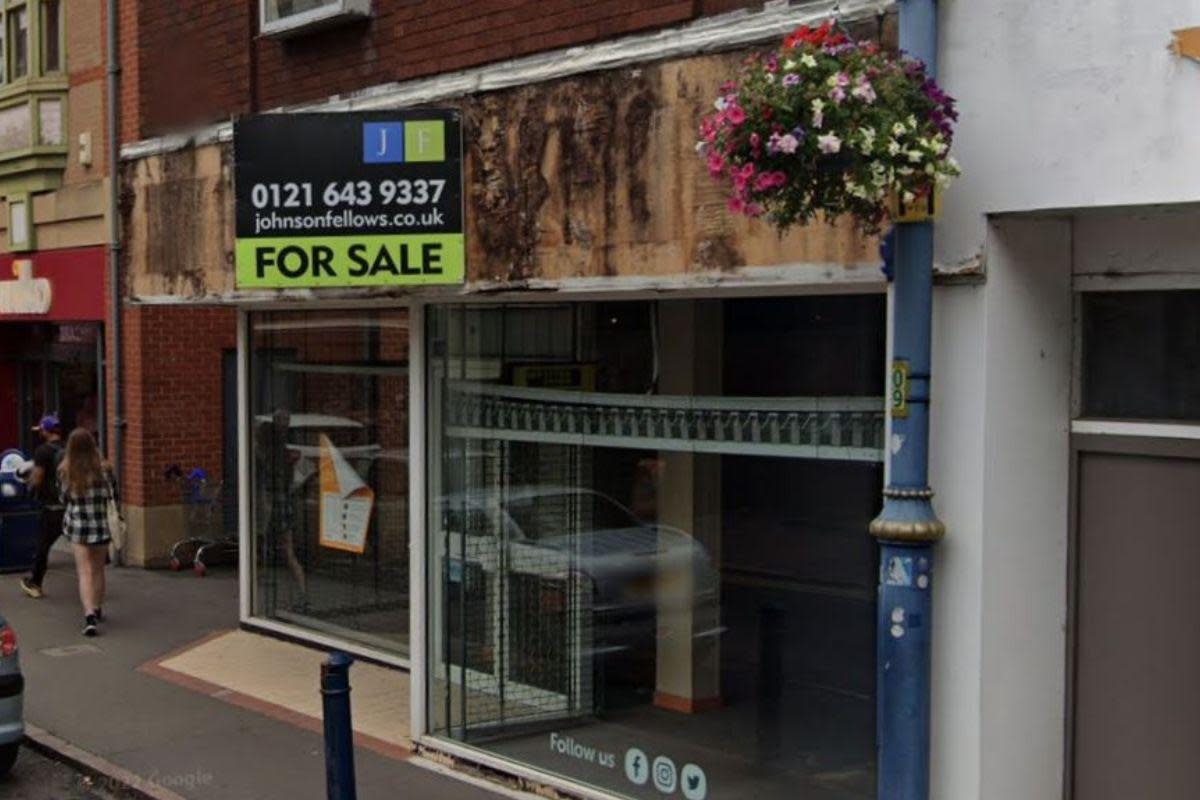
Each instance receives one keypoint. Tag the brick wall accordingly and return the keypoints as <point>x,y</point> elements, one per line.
<point>173,391</point>
<point>209,48</point>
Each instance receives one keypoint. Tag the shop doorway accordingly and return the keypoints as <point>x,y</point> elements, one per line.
<point>50,368</point>
<point>647,550</point>
<point>1137,704</point>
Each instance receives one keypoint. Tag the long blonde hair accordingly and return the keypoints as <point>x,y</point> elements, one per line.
<point>82,467</point>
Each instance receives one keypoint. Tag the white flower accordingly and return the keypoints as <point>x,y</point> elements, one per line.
<point>953,166</point>
<point>789,64</point>
<point>720,104</point>
<point>829,143</point>
<point>909,198</point>
<point>769,77</point>
<point>818,109</point>
<point>912,121</point>
<point>701,147</point>
<point>898,129</point>
<point>915,156</point>
<point>807,60</point>
<point>788,144</point>
<point>893,147</point>
<point>868,138</point>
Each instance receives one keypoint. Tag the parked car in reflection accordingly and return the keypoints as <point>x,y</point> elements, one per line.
<point>624,581</point>
<point>12,693</point>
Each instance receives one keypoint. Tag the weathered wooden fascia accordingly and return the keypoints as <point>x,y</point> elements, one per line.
<point>710,34</point>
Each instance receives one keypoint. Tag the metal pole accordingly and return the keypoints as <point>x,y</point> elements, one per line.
<point>115,362</point>
<point>907,527</point>
<point>339,736</point>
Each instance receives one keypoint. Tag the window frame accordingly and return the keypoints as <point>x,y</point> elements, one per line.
<point>331,13</point>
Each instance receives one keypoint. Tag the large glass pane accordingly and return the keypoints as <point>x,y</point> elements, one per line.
<point>1141,355</point>
<point>18,42</point>
<point>648,562</point>
<point>51,36</point>
<point>329,447</point>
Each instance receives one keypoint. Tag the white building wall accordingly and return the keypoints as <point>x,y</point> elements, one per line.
<point>1066,103</point>
<point>999,462</point>
<point>956,470</point>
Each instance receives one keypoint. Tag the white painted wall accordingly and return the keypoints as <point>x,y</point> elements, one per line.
<point>999,461</point>
<point>956,472</point>
<point>1066,103</point>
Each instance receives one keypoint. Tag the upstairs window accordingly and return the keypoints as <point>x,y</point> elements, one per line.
<point>18,42</point>
<point>51,36</point>
<point>291,17</point>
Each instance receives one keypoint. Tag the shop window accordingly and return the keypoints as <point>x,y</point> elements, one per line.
<point>290,17</point>
<point>328,430</point>
<point>648,564</point>
<point>1141,355</point>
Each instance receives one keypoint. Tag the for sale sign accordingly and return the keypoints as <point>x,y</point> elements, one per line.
<point>349,199</point>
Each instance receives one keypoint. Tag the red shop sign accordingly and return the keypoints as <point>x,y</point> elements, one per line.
<point>53,285</point>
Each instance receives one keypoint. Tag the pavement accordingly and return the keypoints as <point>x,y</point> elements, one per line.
<point>90,693</point>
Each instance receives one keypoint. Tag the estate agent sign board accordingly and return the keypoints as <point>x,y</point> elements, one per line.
<point>349,199</point>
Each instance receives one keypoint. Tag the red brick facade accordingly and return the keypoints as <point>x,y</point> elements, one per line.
<point>212,46</point>
<point>173,390</point>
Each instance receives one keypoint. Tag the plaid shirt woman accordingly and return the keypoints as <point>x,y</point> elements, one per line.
<point>85,520</point>
<point>87,488</point>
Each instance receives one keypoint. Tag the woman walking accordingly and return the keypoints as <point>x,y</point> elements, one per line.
<point>87,487</point>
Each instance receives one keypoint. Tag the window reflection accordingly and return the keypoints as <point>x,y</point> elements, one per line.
<point>329,449</point>
<point>647,541</point>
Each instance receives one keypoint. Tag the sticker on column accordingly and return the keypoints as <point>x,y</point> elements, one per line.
<point>898,571</point>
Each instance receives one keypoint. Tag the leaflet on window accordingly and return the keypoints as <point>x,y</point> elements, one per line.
<point>346,502</point>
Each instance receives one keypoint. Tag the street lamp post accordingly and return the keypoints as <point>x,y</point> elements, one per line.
<point>907,527</point>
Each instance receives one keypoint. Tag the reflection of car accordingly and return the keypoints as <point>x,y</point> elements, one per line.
<point>12,690</point>
<point>631,575</point>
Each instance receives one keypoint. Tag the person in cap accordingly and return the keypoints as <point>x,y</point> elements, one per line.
<point>43,483</point>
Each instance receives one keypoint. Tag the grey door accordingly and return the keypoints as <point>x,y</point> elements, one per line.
<point>1137,658</point>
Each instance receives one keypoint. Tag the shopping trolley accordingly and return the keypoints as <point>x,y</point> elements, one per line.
<point>206,543</point>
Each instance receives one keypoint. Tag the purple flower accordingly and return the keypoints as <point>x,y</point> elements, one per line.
<point>799,133</point>
<point>791,80</point>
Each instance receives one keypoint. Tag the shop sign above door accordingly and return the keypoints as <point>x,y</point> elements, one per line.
<point>349,199</point>
<point>25,294</point>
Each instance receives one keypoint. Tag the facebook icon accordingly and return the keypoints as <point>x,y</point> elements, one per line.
<point>383,143</point>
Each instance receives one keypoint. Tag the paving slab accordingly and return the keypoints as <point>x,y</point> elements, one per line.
<point>92,694</point>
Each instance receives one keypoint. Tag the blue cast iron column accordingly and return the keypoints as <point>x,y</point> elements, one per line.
<point>907,527</point>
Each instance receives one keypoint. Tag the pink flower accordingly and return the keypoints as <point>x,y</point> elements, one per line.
<point>716,164</point>
<point>735,114</point>
<point>737,205</point>
<point>864,91</point>
<point>755,141</point>
<point>837,94</point>
<point>742,177</point>
<point>769,180</point>
<point>753,210</point>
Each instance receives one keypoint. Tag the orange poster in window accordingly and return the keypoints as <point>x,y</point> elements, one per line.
<point>346,502</point>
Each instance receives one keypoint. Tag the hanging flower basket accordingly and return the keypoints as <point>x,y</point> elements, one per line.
<point>828,125</point>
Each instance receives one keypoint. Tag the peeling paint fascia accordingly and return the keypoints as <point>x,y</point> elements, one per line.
<point>709,34</point>
<point>788,278</point>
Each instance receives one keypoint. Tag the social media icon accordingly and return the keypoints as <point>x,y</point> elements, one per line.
<point>694,782</point>
<point>665,776</point>
<point>637,766</point>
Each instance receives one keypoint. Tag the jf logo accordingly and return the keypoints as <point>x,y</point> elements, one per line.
<point>640,770</point>
<point>420,141</point>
